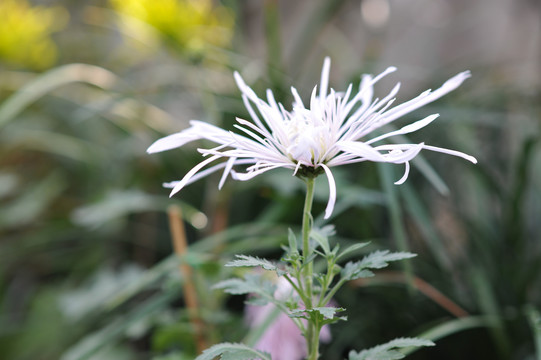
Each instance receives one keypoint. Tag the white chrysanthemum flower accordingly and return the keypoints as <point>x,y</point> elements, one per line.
<point>334,130</point>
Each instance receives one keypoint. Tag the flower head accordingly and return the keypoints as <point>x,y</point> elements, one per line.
<point>333,130</point>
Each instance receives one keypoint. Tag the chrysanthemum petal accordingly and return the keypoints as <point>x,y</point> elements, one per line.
<point>406,129</point>
<point>400,154</point>
<point>228,166</point>
<point>360,149</point>
<point>425,98</point>
<point>251,174</point>
<point>324,78</point>
<point>451,152</point>
<point>191,173</point>
<point>173,141</point>
<point>298,100</point>
<point>405,176</point>
<point>332,191</point>
<point>203,173</point>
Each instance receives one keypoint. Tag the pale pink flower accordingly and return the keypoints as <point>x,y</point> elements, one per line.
<point>283,340</point>
<point>333,130</point>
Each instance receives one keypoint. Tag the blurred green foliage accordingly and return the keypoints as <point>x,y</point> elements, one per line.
<point>87,270</point>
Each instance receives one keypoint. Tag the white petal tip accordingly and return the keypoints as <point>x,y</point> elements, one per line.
<point>457,80</point>
<point>327,61</point>
<point>238,79</point>
<point>152,149</point>
<point>418,124</point>
<point>176,189</point>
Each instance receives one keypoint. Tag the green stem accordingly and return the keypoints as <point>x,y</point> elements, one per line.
<point>314,349</point>
<point>312,333</point>
<point>306,250</point>
<point>307,217</point>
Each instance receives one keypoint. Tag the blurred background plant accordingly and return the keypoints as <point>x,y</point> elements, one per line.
<point>25,33</point>
<point>86,269</point>
<point>193,27</point>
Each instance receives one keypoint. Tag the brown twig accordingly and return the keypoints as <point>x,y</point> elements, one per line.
<point>421,285</point>
<point>190,295</point>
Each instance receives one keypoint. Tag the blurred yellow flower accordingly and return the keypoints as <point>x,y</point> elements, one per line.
<point>193,26</point>
<point>25,33</point>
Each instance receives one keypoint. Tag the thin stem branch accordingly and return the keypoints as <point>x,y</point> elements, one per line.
<point>298,289</point>
<point>329,276</point>
<point>333,291</point>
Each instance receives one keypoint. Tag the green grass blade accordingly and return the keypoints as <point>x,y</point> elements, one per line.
<point>395,212</point>
<point>534,318</point>
<point>452,327</point>
<point>47,82</point>
<point>102,338</point>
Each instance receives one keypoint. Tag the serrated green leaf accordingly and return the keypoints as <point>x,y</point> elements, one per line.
<point>256,301</point>
<point>252,283</point>
<point>234,286</point>
<point>354,270</point>
<point>292,240</point>
<point>321,237</point>
<point>380,259</point>
<point>245,260</point>
<point>388,351</point>
<point>239,355</point>
<point>352,248</point>
<point>298,314</point>
<point>376,260</point>
<point>233,351</point>
<point>327,312</point>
